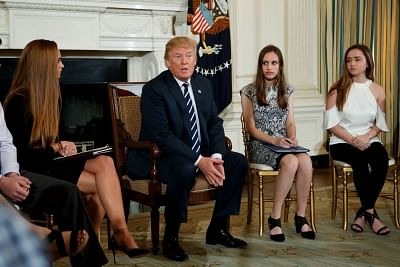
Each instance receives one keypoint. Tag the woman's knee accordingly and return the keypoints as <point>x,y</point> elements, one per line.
<point>289,162</point>
<point>101,163</point>
<point>304,162</point>
<point>105,161</point>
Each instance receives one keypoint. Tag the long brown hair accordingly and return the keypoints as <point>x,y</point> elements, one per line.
<point>280,80</point>
<point>343,85</point>
<point>36,78</point>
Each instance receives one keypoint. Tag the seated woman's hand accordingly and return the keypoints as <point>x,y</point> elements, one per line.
<point>361,142</point>
<point>68,148</point>
<point>284,142</point>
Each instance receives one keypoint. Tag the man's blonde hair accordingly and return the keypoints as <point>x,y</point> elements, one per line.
<point>179,41</point>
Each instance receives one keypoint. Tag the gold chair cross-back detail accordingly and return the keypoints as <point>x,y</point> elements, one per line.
<point>262,172</point>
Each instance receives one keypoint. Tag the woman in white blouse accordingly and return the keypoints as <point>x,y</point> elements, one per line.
<point>355,116</point>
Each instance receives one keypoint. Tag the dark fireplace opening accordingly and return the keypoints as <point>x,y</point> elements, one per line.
<point>85,113</point>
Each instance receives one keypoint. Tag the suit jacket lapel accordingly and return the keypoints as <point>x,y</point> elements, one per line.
<point>176,92</point>
<point>198,95</point>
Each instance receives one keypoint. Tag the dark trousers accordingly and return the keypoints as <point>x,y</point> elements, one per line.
<point>64,201</point>
<point>180,176</point>
<point>369,169</point>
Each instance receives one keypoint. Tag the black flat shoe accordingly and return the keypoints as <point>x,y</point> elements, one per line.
<point>272,223</point>
<point>132,253</point>
<point>172,250</point>
<point>355,226</point>
<point>299,222</point>
<point>224,238</point>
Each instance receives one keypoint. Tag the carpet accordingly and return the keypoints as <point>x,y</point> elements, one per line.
<point>333,246</point>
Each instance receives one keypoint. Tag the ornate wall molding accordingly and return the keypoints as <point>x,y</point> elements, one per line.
<point>95,5</point>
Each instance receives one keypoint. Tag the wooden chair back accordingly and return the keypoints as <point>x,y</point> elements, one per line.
<point>148,191</point>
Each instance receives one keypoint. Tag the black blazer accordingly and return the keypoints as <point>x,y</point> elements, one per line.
<point>165,120</point>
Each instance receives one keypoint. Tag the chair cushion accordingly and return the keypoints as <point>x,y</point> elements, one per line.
<point>339,163</point>
<point>392,161</point>
<point>262,167</point>
<point>200,185</point>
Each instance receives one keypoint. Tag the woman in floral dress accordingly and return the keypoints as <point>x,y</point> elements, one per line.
<point>267,105</point>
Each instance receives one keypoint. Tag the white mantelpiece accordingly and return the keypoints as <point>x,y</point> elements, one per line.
<point>123,27</point>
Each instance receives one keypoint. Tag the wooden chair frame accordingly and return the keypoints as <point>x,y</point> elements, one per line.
<point>147,191</point>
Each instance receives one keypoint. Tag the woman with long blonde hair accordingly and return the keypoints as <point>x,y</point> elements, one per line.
<point>32,111</point>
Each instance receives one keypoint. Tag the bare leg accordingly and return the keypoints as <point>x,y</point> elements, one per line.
<point>99,175</point>
<point>303,182</point>
<point>95,210</point>
<point>284,181</point>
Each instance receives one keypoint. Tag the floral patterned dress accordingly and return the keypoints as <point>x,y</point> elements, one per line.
<point>270,119</point>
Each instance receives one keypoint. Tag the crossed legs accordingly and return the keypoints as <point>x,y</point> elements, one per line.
<point>100,180</point>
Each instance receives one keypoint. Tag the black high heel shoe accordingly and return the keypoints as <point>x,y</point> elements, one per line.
<point>132,253</point>
<point>299,221</point>
<point>272,223</point>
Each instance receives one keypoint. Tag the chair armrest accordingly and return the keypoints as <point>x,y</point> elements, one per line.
<point>144,145</point>
<point>228,143</point>
<point>153,150</point>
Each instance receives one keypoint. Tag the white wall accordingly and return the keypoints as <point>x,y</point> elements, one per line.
<point>291,25</point>
<point>145,25</point>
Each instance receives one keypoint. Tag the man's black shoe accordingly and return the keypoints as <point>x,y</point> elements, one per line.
<point>224,238</point>
<point>172,250</point>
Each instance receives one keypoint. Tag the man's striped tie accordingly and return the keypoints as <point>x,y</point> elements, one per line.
<point>194,133</point>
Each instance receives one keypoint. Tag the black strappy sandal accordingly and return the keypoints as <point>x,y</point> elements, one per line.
<point>355,226</point>
<point>370,217</point>
<point>272,223</point>
<point>74,246</point>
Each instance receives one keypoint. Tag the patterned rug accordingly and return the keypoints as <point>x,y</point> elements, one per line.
<point>332,247</point>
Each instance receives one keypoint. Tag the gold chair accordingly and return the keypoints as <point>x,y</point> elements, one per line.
<point>342,170</point>
<point>262,171</point>
<point>126,121</point>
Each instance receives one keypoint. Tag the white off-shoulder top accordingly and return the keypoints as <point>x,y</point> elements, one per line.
<point>360,113</point>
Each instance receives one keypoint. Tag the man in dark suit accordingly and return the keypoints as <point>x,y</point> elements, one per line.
<point>180,116</point>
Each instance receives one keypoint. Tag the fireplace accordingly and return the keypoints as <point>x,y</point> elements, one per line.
<point>85,113</point>
<point>102,41</point>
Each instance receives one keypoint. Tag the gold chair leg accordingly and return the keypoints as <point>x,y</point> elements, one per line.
<point>287,206</point>
<point>396,198</point>
<point>334,192</point>
<point>312,207</point>
<point>249,196</point>
<point>345,204</point>
<point>261,205</point>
